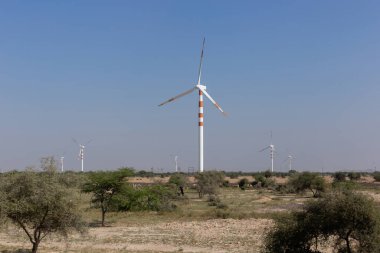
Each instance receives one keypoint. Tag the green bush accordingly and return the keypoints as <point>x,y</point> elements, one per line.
<point>348,221</point>
<point>209,182</point>
<point>340,176</point>
<point>149,198</point>
<point>222,214</point>
<point>376,176</point>
<point>213,200</point>
<point>222,206</point>
<point>178,179</point>
<point>284,189</point>
<point>226,183</point>
<point>301,182</point>
<point>344,186</point>
<point>354,176</point>
<point>243,183</point>
<point>268,174</point>
<point>263,182</point>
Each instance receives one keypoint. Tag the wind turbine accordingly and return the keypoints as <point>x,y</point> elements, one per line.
<point>176,163</point>
<point>202,90</point>
<point>81,151</point>
<point>272,151</point>
<point>289,159</point>
<point>62,157</point>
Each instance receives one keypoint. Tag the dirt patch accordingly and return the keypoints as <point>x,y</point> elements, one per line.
<point>211,236</point>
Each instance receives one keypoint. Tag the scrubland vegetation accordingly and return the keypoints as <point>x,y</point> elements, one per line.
<point>135,211</point>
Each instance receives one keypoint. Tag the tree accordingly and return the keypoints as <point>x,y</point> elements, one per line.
<point>308,181</point>
<point>262,181</point>
<point>376,176</point>
<point>179,180</point>
<point>347,219</point>
<point>339,176</point>
<point>209,182</point>
<point>268,174</point>
<point>243,183</point>
<point>104,185</point>
<point>48,164</point>
<point>353,176</point>
<point>39,205</point>
<point>148,198</point>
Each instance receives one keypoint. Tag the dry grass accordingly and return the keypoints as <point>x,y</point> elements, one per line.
<point>193,227</point>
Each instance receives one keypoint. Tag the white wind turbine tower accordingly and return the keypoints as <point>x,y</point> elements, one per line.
<point>62,157</point>
<point>176,163</point>
<point>81,151</point>
<point>272,151</point>
<point>290,159</point>
<point>202,90</point>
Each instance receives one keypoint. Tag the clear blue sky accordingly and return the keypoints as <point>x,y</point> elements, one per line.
<point>307,70</point>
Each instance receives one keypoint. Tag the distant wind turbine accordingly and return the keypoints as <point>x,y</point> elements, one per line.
<point>62,157</point>
<point>176,163</point>
<point>202,90</point>
<point>81,151</point>
<point>289,159</point>
<point>272,151</point>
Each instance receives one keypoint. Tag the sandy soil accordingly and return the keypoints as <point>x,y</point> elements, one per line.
<point>210,236</point>
<point>191,180</point>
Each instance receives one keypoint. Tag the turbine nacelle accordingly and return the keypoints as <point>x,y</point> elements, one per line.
<point>200,87</point>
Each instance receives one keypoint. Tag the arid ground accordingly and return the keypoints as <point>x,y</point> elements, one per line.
<point>193,227</point>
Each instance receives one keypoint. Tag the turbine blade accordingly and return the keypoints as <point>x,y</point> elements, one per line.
<point>200,64</point>
<point>88,142</point>
<point>75,141</point>
<point>178,96</point>
<point>212,100</point>
<point>264,149</point>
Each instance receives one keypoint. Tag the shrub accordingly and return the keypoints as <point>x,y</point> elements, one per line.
<point>262,181</point>
<point>354,176</point>
<point>180,181</point>
<point>149,198</point>
<point>72,179</point>
<point>340,176</point>
<point>376,176</point>
<point>307,181</point>
<point>213,200</point>
<point>221,206</point>
<point>348,220</point>
<point>268,174</point>
<point>226,183</point>
<point>283,189</point>
<point>243,183</point>
<point>222,214</point>
<point>344,186</point>
<point>209,182</point>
